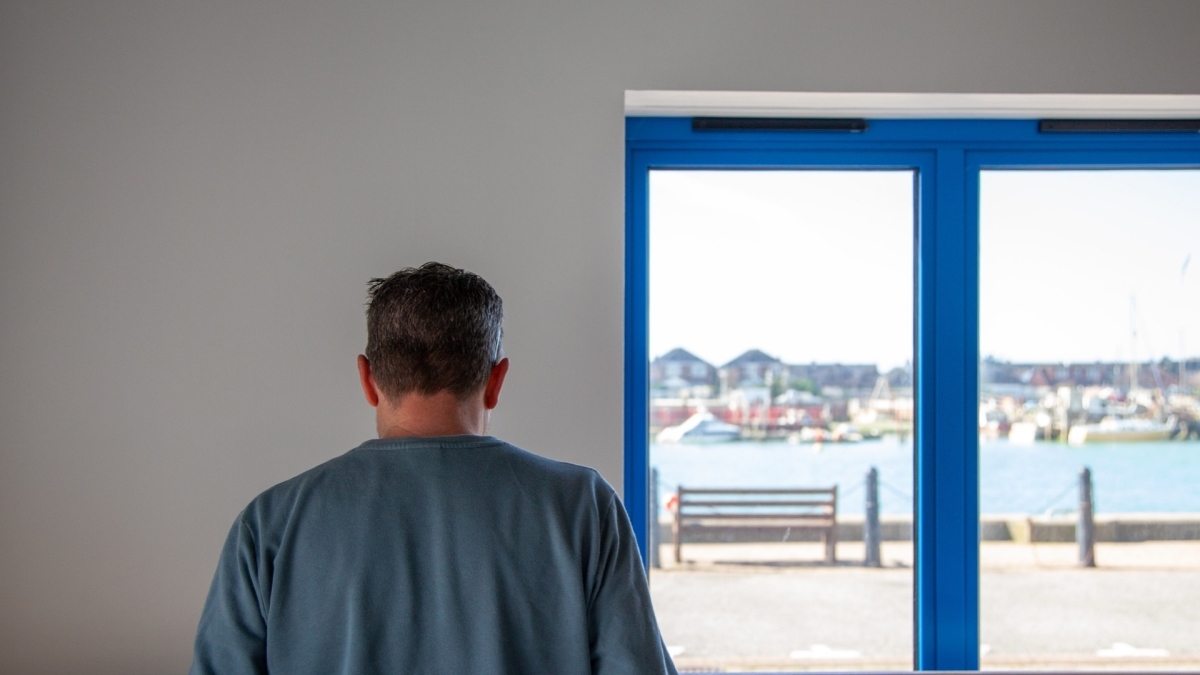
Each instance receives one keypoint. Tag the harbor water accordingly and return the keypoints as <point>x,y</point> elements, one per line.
<point>1034,479</point>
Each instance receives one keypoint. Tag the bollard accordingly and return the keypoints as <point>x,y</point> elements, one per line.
<point>871,523</point>
<point>652,537</point>
<point>1085,529</point>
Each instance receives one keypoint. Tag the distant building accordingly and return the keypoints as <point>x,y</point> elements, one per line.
<point>1002,376</point>
<point>846,377</point>
<point>680,373</point>
<point>753,368</point>
<point>900,379</point>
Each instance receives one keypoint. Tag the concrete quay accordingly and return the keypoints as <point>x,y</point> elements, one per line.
<point>776,607</point>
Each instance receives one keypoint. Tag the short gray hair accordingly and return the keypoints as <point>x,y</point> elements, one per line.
<point>433,328</point>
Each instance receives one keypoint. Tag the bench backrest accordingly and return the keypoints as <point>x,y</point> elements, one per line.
<point>818,505</point>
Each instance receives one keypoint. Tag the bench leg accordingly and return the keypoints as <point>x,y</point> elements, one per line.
<point>830,540</point>
<point>678,541</point>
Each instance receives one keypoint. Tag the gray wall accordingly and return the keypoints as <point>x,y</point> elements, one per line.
<point>193,194</point>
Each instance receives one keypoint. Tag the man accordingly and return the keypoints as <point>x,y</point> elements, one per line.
<point>434,549</point>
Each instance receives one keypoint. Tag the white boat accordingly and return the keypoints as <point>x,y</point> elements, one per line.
<point>842,433</point>
<point>1115,429</point>
<point>809,435</point>
<point>1126,429</point>
<point>703,427</point>
<point>1023,432</point>
<point>846,433</point>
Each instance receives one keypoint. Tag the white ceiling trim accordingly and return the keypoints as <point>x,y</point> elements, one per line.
<point>652,103</point>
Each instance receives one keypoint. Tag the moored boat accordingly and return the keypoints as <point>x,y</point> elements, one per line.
<point>842,433</point>
<point>1116,430</point>
<point>703,427</point>
<point>1024,432</point>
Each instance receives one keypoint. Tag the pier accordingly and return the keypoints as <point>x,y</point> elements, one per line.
<point>758,616</point>
<point>745,593</point>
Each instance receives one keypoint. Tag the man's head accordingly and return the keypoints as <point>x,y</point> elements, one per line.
<point>433,334</point>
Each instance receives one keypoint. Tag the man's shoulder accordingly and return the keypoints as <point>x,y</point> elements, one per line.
<point>530,467</point>
<point>279,499</point>
<point>535,462</point>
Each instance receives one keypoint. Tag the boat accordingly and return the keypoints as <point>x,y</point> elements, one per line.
<point>1025,432</point>
<point>1116,429</point>
<point>842,433</point>
<point>846,433</point>
<point>703,427</point>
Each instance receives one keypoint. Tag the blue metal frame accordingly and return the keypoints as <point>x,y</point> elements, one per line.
<point>947,156</point>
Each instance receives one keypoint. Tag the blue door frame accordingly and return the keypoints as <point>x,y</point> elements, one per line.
<point>947,157</point>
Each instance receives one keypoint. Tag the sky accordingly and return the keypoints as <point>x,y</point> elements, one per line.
<point>818,265</point>
<point>1066,255</point>
<point>805,265</point>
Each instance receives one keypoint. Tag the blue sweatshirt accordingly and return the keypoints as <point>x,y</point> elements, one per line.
<point>460,555</point>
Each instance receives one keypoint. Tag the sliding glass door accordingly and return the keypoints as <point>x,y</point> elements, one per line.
<point>823,471</point>
<point>781,374</point>
<point>1090,457</point>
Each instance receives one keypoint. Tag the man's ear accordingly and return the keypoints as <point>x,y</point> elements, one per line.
<point>368,381</point>
<point>491,393</point>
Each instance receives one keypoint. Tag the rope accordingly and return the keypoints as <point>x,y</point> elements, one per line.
<point>896,490</point>
<point>850,490</point>
<point>1071,486</point>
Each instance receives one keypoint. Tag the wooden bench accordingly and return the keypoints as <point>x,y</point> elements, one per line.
<point>732,508</point>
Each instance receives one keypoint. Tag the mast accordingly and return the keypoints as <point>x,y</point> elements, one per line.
<point>1133,365</point>
<point>1182,346</point>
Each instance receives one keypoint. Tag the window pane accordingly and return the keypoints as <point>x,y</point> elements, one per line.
<point>781,343</point>
<point>1087,306</point>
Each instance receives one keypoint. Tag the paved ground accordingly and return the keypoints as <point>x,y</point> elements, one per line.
<point>770,606</point>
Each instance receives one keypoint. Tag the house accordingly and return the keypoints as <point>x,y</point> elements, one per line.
<point>680,373</point>
<point>845,377</point>
<point>752,368</point>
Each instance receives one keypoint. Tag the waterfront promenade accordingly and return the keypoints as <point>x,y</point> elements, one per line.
<point>773,607</point>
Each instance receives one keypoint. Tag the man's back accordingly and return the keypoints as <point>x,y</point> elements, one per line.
<point>455,554</point>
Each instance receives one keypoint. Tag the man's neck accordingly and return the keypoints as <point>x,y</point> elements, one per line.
<point>419,415</point>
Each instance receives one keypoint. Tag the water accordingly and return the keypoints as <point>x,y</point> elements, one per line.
<point>1014,479</point>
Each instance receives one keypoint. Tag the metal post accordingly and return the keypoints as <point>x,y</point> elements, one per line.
<point>871,534</point>
<point>654,506</point>
<point>677,526</point>
<point>1085,529</point>
<point>831,538</point>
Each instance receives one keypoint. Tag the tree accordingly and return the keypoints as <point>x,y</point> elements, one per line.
<point>803,384</point>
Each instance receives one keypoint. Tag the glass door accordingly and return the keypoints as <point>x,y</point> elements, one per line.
<point>781,417</point>
<point>973,335</point>
<point>1089,420</point>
